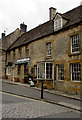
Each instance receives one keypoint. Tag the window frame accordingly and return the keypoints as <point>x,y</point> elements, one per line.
<point>76,52</point>
<point>57,73</point>
<point>26,51</point>
<point>45,75</point>
<point>48,49</point>
<point>8,70</point>
<point>75,72</point>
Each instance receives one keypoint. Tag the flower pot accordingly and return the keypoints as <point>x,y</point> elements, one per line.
<point>5,77</point>
<point>16,79</point>
<point>22,80</point>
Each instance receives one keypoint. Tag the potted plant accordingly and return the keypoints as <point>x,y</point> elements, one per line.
<point>26,78</point>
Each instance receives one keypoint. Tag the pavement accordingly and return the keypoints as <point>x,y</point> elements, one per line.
<point>51,96</point>
<point>56,92</point>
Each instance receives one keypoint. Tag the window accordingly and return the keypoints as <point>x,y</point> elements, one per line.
<point>8,70</point>
<point>76,72</point>
<point>27,51</point>
<point>35,71</point>
<point>48,49</point>
<point>75,43</point>
<point>45,70</point>
<point>60,72</point>
<point>58,23</point>
<point>8,56</point>
<point>19,69</point>
<point>25,69</point>
<point>19,52</point>
<point>13,54</point>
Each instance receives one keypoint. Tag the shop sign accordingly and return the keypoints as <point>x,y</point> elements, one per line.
<point>23,60</point>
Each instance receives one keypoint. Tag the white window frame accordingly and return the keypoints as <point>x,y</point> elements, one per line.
<point>75,72</point>
<point>58,23</point>
<point>57,73</point>
<point>72,42</point>
<point>45,77</point>
<point>8,71</point>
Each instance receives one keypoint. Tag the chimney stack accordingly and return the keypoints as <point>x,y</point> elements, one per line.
<point>23,27</point>
<point>52,12</point>
<point>3,34</point>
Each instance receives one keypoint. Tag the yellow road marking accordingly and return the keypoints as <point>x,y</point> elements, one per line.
<point>22,97</point>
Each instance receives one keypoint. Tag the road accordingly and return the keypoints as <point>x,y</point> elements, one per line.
<point>34,93</point>
<point>21,107</point>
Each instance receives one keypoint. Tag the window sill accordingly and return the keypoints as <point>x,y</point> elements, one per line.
<point>48,57</point>
<point>43,79</point>
<point>74,54</point>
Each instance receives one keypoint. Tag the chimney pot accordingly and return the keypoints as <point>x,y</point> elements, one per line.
<point>23,27</point>
<point>3,34</point>
<point>52,12</point>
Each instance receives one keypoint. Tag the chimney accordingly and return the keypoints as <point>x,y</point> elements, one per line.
<point>3,34</point>
<point>23,27</point>
<point>81,3</point>
<point>52,12</point>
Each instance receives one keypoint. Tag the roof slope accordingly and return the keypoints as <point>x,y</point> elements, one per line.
<point>73,16</point>
<point>35,33</point>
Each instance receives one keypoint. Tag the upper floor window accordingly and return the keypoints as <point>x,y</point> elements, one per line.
<point>8,56</point>
<point>27,51</point>
<point>20,52</point>
<point>76,72</point>
<point>75,43</point>
<point>48,49</point>
<point>13,54</point>
<point>60,72</point>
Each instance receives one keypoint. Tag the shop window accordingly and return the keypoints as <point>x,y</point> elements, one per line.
<point>35,71</point>
<point>26,69</point>
<point>60,72</point>
<point>48,49</point>
<point>75,72</point>
<point>19,69</point>
<point>45,70</point>
<point>75,43</point>
<point>8,70</point>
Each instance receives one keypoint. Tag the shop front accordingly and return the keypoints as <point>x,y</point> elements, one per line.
<point>22,66</point>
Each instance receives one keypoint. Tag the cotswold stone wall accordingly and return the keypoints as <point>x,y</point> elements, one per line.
<point>60,55</point>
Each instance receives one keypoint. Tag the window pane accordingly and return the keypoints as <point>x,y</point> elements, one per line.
<point>60,72</point>
<point>41,70</point>
<point>48,49</point>
<point>49,70</point>
<point>76,71</point>
<point>75,43</point>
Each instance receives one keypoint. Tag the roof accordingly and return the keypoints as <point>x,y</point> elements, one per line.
<point>35,33</point>
<point>73,16</point>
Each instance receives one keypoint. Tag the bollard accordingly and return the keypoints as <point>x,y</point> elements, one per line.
<point>42,91</point>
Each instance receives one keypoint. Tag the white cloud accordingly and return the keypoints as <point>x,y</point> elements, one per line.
<point>32,12</point>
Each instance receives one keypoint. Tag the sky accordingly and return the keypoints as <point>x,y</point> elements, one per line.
<point>31,12</point>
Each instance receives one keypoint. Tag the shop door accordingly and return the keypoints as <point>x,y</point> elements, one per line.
<point>25,69</point>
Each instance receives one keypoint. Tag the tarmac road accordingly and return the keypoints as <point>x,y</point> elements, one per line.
<point>20,107</point>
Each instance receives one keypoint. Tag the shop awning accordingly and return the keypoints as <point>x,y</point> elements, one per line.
<point>22,62</point>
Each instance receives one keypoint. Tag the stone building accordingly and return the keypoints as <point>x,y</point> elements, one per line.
<point>6,42</point>
<point>51,52</point>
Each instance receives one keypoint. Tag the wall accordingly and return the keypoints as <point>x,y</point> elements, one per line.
<point>60,55</point>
